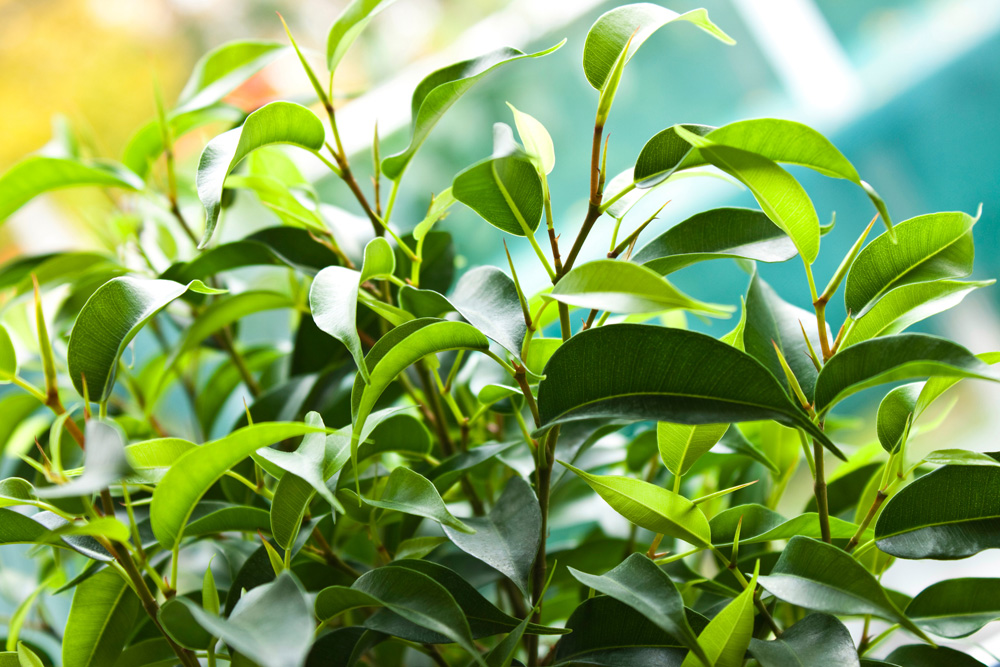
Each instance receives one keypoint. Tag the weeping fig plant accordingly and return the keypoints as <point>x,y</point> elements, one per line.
<point>308,443</point>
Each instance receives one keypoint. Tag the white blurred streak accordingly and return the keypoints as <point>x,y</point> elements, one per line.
<point>40,226</point>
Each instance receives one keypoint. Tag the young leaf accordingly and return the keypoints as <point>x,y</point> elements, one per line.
<point>536,140</point>
<point>333,299</point>
<point>645,372</point>
<point>103,610</point>
<point>507,538</point>
<point>109,321</point>
<point>224,68</point>
<point>681,445</point>
<point>892,358</point>
<point>274,123</point>
<point>727,636</point>
<point>38,174</point>
<point>760,524</point>
<point>104,463</point>
<point>146,145</point>
<point>716,234</point>
<point>822,577</point>
<point>439,91</point>
<point>380,260</point>
<point>349,24</point>
<point>193,473</point>
<point>956,608</point>
<point>817,639</point>
<point>623,287</point>
<point>909,304</point>
<point>650,506</point>
<point>412,493</point>
<point>915,523</point>
<point>8,357</point>
<point>926,248</point>
<point>28,658</point>
<point>643,586</point>
<point>505,191</point>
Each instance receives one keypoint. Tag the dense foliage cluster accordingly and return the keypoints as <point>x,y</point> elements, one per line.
<point>486,472</point>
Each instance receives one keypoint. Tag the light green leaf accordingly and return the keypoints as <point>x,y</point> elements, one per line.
<point>761,524</point>
<point>348,25</point>
<point>818,639</point>
<point>292,204</point>
<point>962,457</point>
<point>623,287</point>
<point>8,357</point>
<point>222,69</point>
<point>893,358</point>
<point>437,210</point>
<point>412,493</point>
<point>681,445</point>
<point>507,538</point>
<point>274,123</point>
<point>27,657</point>
<point>108,322</point>
<point>650,506</point>
<point>646,588</point>
<point>644,372</point>
<point>15,491</point>
<point>38,174</point>
<point>380,260</point>
<point>536,139</point>
<point>928,247</point>
<point>103,611</point>
<point>716,234</point>
<point>822,577</point>
<point>194,472</point>
<point>727,636</point>
<point>333,299</point>
<point>146,145</point>
<point>439,91</point>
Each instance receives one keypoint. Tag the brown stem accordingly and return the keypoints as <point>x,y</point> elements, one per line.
<point>594,209</point>
<point>520,376</point>
<point>352,183</point>
<point>872,511</point>
<point>819,488</point>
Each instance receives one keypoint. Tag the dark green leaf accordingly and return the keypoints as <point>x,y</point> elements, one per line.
<point>487,298</point>
<point>412,493</point>
<point>818,639</point>
<point>922,655</point>
<point>103,610</point>
<point>506,191</point>
<point>956,607</point>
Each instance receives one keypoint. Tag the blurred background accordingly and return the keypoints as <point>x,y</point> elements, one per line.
<point>907,89</point>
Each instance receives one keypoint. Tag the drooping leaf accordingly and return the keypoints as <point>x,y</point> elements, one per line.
<point>896,413</point>
<point>507,538</point>
<point>822,577</point>
<point>272,623</point>
<point>624,287</point>
<point>650,506</point>
<point>818,639</point>
<point>646,588</point>
<point>412,493</point>
<point>38,174</point>
<point>8,357</point>
<point>487,298</point>
<point>193,473</point>
<point>645,372</point>
<point>224,68</point>
<point>333,299</point>
<point>109,321</point>
<point>916,523</point>
<point>910,304</point>
<point>351,21</point>
<point>727,636</point>
<point>439,91</point>
<point>928,247</point>
<point>922,655</point>
<point>146,145</point>
<point>274,123</point>
<point>716,234</point>
<point>536,139</point>
<point>760,524</point>
<point>15,491</point>
<point>104,463</point>
<point>892,358</point>
<point>103,611</point>
<point>681,445</point>
<point>505,191</point>
<point>956,608</point>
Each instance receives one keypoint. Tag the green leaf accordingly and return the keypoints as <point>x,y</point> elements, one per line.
<point>818,639</point>
<point>773,321</point>
<point>643,586</point>
<point>909,304</point>
<point>487,298</point>
<point>922,655</point>
<point>437,210</point>
<point>623,287</point>
<point>928,247</point>
<point>663,155</point>
<point>272,623</point>
<point>274,123</point>
<point>27,657</point>
<point>896,414</point>
<point>225,67</point>
<point>15,491</point>
<point>629,27</point>
<point>412,493</point>
<point>155,456</point>
<point>421,600</point>
<point>380,260</point>
<point>956,608</point>
<point>822,577</point>
<point>38,174</point>
<point>103,611</point>
<point>650,506</point>
<point>716,234</point>
<point>915,523</point>
<point>349,24</point>
<point>176,618</point>
<point>505,191</point>
<point>681,445</point>
<point>104,463</point>
<point>760,524</point>
<point>780,196</point>
<point>418,547</point>
<point>507,538</point>
<point>643,372</point>
<point>8,357</point>
<point>892,358</point>
<point>536,139</point>
<point>962,457</point>
<point>727,636</point>
<point>291,204</point>
<point>146,145</point>
<point>439,91</point>
<point>193,473</point>
<point>502,655</point>
<point>109,321</point>
<point>333,299</point>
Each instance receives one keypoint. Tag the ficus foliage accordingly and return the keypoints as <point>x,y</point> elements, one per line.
<point>480,471</point>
